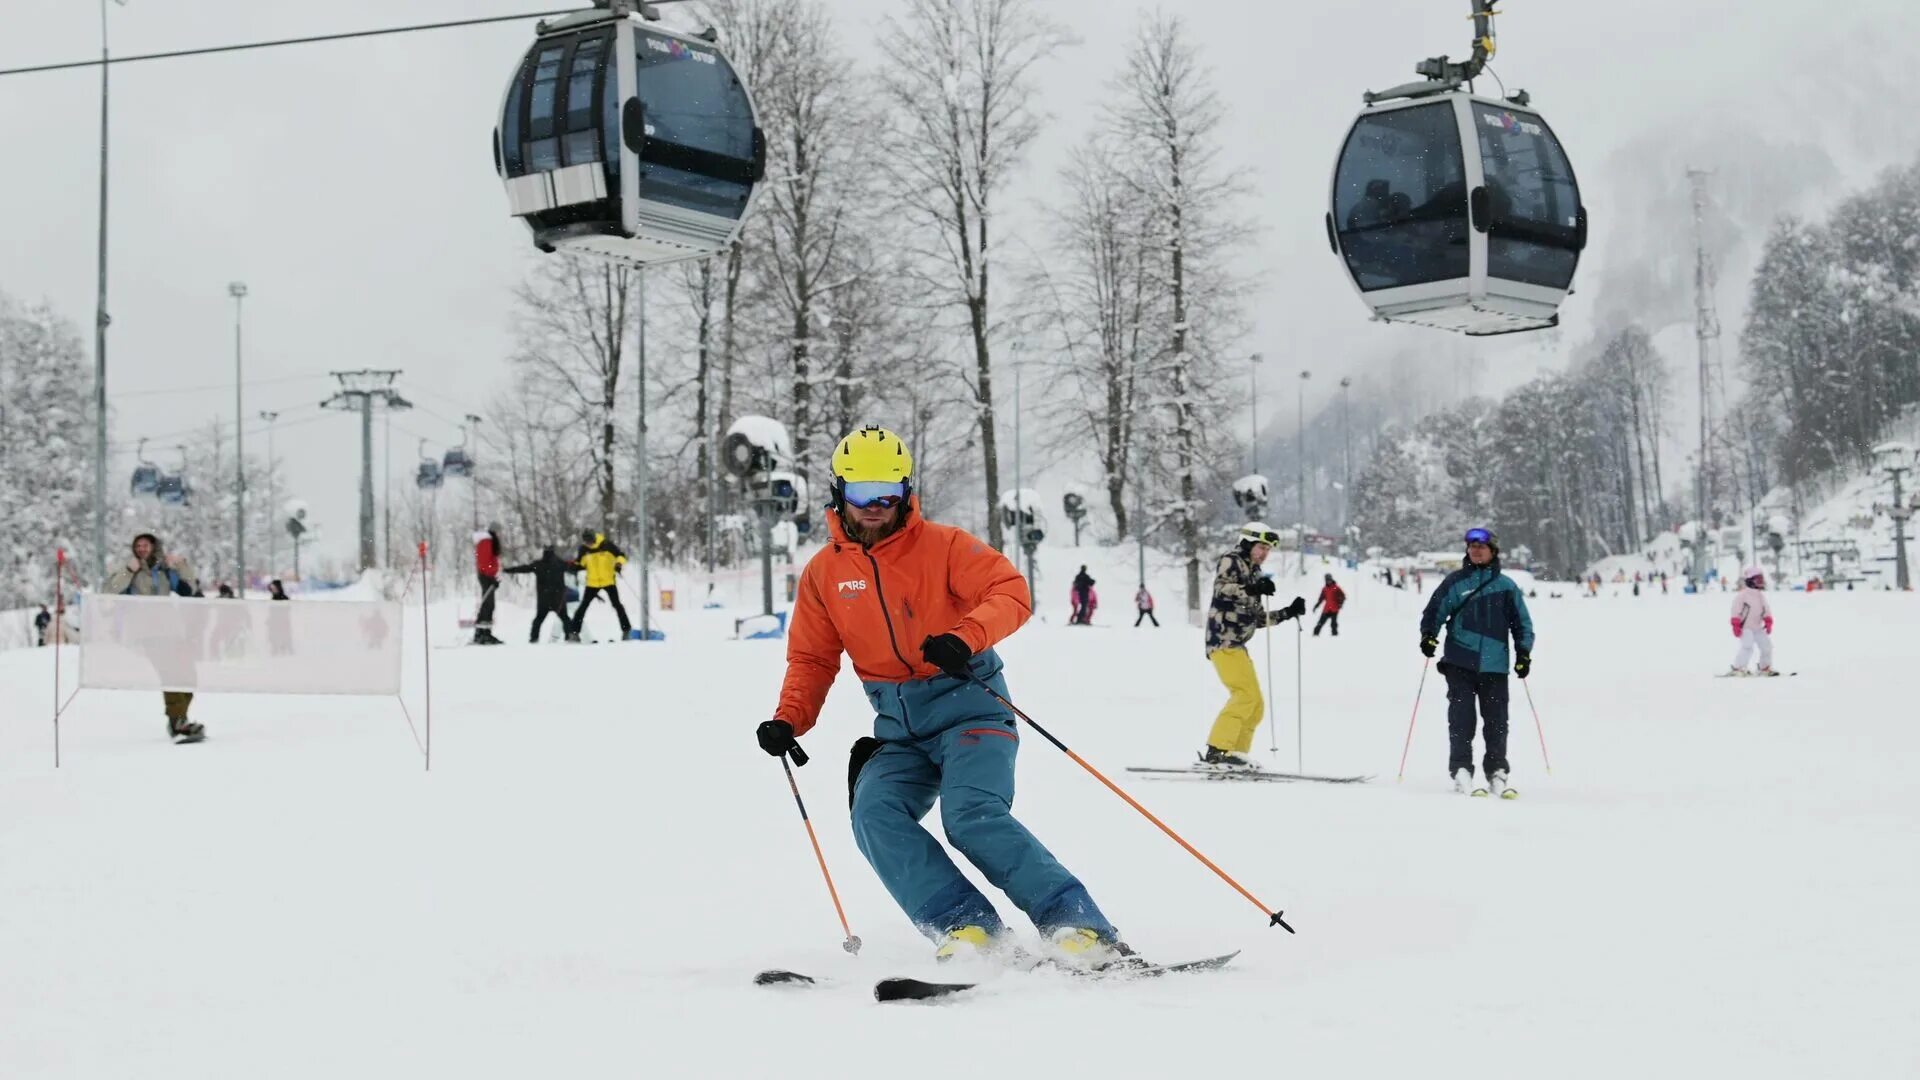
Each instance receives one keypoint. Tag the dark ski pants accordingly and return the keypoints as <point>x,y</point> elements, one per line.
<point>1464,688</point>
<point>613,597</point>
<point>488,586</point>
<point>1146,613</point>
<point>1325,618</point>
<point>549,605</point>
<point>177,703</point>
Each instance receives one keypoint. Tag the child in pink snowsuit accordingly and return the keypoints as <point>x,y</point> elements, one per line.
<point>1752,623</point>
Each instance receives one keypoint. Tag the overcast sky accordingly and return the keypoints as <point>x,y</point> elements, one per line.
<point>351,185</point>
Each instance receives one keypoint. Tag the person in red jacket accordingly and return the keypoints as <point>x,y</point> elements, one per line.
<point>918,607</point>
<point>1329,604</point>
<point>486,562</point>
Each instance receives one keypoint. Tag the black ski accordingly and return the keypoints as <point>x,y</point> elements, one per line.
<point>920,990</point>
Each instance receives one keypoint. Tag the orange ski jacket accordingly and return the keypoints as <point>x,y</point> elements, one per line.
<point>878,604</point>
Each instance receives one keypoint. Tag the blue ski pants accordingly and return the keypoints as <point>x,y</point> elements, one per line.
<point>950,741</point>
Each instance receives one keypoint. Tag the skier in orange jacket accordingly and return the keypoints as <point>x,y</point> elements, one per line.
<point>918,607</point>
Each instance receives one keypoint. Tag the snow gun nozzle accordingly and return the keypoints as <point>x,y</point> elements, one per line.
<point>852,944</point>
<point>798,755</point>
<point>1281,923</point>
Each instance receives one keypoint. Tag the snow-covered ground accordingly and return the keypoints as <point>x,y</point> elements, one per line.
<point>1717,879</point>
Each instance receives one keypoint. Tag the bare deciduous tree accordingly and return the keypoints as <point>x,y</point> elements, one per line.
<point>961,99</point>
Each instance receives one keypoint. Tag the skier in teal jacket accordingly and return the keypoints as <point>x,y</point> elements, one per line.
<point>1479,608</point>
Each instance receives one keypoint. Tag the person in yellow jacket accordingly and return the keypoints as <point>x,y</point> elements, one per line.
<point>1239,608</point>
<point>601,559</point>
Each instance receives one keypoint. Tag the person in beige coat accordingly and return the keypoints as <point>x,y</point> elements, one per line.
<point>152,572</point>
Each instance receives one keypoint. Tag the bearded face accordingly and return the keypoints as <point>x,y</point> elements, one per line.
<point>871,524</point>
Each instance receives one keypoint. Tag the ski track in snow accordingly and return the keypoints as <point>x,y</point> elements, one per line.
<point>1717,879</point>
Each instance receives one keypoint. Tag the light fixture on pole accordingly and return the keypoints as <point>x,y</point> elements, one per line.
<point>238,290</point>
<point>100,323</point>
<point>1253,409</point>
<point>1301,421</point>
<point>473,481</point>
<point>273,499</point>
<point>1346,440</point>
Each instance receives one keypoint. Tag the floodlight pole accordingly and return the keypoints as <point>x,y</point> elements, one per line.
<point>238,290</point>
<point>640,475</point>
<point>273,500</point>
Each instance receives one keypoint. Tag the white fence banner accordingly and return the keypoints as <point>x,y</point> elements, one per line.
<point>240,646</point>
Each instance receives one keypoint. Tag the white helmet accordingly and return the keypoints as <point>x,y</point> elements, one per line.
<point>1258,532</point>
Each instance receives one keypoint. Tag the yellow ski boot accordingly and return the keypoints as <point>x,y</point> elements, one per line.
<point>965,943</point>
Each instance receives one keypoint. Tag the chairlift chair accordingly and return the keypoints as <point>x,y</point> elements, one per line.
<point>627,140</point>
<point>429,474</point>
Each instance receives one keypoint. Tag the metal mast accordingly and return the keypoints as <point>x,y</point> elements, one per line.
<point>1706,330</point>
<point>360,390</point>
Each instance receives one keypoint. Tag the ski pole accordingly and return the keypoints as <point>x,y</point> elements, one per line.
<point>1273,726</point>
<point>1299,700</point>
<point>1273,917</point>
<point>852,943</point>
<point>1537,728</point>
<point>1424,665</point>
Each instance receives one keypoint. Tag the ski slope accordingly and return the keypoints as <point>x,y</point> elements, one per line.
<point>1718,879</point>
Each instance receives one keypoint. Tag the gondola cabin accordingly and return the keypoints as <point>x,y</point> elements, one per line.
<point>623,139</point>
<point>456,463</point>
<point>1457,212</point>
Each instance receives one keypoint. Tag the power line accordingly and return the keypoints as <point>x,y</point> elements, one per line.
<point>216,386</point>
<point>347,35</point>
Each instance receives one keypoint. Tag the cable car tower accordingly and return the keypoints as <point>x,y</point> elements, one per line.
<point>1456,211</point>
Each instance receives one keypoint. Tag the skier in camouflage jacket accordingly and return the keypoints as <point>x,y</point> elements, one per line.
<point>1238,609</point>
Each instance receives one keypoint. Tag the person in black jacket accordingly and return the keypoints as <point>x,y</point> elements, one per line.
<point>41,622</point>
<point>549,587</point>
<point>1082,598</point>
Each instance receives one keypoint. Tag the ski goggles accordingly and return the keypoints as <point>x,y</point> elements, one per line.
<point>1479,536</point>
<point>1268,537</point>
<point>866,493</point>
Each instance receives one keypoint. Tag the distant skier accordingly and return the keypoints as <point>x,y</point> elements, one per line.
<point>152,572</point>
<point>1239,609</point>
<point>549,587</point>
<point>1143,603</point>
<point>277,590</point>
<point>1332,599</point>
<point>40,624</point>
<point>602,560</point>
<point>1082,598</point>
<point>1479,608</point>
<point>1752,623</point>
<point>918,607</point>
<point>486,564</point>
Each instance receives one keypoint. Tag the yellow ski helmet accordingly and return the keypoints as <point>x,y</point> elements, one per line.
<point>871,455</point>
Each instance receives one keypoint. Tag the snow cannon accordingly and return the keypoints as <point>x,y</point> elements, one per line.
<point>1250,495</point>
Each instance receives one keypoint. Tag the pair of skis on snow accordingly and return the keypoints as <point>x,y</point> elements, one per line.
<point>1244,775</point>
<point>901,989</point>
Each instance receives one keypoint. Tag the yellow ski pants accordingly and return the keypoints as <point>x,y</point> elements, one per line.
<point>1233,731</point>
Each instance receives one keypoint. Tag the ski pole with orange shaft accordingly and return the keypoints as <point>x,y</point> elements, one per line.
<point>852,943</point>
<point>1416,715</point>
<point>1273,916</point>
<point>1537,728</point>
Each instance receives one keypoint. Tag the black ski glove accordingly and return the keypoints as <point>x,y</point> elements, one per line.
<point>776,737</point>
<point>948,653</point>
<point>1262,586</point>
<point>1427,645</point>
<point>1298,607</point>
<point>1522,664</point>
